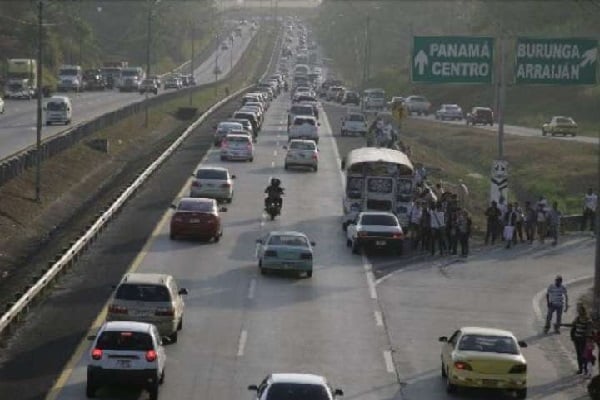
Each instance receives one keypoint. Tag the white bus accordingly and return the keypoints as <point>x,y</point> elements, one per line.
<point>377,179</point>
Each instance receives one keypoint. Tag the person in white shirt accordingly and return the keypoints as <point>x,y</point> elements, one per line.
<point>415,214</point>
<point>438,228</point>
<point>590,203</point>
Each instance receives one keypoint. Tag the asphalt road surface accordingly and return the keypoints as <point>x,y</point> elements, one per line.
<point>239,325</point>
<point>18,123</point>
<point>517,131</point>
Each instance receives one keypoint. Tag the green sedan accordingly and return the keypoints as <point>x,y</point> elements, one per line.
<point>285,251</point>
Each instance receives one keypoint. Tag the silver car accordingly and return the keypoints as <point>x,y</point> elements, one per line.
<point>237,147</point>
<point>302,153</point>
<point>223,128</point>
<point>214,183</point>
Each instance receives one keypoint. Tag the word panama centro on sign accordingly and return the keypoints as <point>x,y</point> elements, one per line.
<point>452,59</point>
<point>556,61</point>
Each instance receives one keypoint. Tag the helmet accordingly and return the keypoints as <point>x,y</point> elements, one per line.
<point>275,182</point>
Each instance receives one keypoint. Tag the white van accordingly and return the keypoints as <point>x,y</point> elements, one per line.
<point>58,110</point>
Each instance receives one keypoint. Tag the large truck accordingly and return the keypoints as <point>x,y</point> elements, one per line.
<point>70,78</point>
<point>131,78</point>
<point>111,71</point>
<point>21,78</point>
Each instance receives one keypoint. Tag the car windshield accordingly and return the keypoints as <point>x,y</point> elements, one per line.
<point>228,126</point>
<point>119,340</point>
<point>296,391</point>
<point>238,139</point>
<point>376,95</point>
<point>148,82</point>
<point>451,107</point>
<point>488,344</point>
<point>303,121</point>
<point>288,240</point>
<point>195,206</point>
<point>302,146</point>
<point>417,99</point>
<point>382,220</point>
<point>356,118</point>
<point>138,292</point>
<point>68,72</point>
<point>206,173</point>
<point>304,110</point>
<point>129,73</point>
<point>564,120</point>
<point>56,106</point>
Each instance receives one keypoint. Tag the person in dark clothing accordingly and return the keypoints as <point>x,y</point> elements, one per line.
<point>519,224</point>
<point>581,329</point>
<point>493,216</point>
<point>510,221</point>
<point>529,221</point>
<point>426,228</point>
<point>274,192</point>
<point>463,228</point>
<point>452,231</point>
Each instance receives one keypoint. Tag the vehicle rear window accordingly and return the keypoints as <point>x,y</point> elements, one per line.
<point>564,120</point>
<point>356,118</point>
<point>295,391</point>
<point>56,106</point>
<point>302,146</point>
<point>488,344</point>
<point>288,240</point>
<point>302,110</point>
<point>197,206</point>
<point>302,121</point>
<point>238,139</point>
<point>417,99</point>
<point>383,220</point>
<point>139,292</point>
<point>117,340</point>
<point>211,174</point>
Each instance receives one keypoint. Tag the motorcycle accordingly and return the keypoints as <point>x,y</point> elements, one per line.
<point>272,208</point>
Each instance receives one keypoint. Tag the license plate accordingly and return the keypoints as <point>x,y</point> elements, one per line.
<point>489,382</point>
<point>194,221</point>
<point>380,243</point>
<point>124,363</point>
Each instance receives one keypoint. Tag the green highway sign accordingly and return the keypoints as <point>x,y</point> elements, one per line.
<point>452,59</point>
<point>571,61</point>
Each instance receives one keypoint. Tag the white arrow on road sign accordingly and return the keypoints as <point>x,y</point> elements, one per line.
<point>589,57</point>
<point>421,61</point>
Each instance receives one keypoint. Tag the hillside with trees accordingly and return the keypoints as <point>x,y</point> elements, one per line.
<point>341,29</point>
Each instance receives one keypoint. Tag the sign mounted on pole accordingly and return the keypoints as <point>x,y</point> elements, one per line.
<point>564,61</point>
<point>452,59</point>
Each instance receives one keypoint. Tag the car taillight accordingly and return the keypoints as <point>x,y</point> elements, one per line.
<point>164,312</point>
<point>315,157</point>
<point>464,366</point>
<point>270,253</point>
<point>96,354</point>
<point>397,235</point>
<point>362,234</point>
<point>249,146</point>
<point>114,309</point>
<point>196,184</point>
<point>223,144</point>
<point>306,256</point>
<point>151,356</point>
<point>518,369</point>
<point>226,185</point>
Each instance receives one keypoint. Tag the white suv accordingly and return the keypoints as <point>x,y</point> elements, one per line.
<point>128,353</point>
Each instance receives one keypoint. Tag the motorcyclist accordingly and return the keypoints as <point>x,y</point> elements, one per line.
<point>274,192</point>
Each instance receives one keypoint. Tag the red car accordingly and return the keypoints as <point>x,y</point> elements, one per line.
<point>197,217</point>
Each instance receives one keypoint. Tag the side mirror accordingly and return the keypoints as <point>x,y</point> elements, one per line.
<point>284,147</point>
<point>259,241</point>
<point>173,206</point>
<point>214,127</point>
<point>45,108</point>
<point>318,124</point>
<point>183,291</point>
<point>312,243</point>
<point>522,344</point>
<point>233,177</point>
<point>443,339</point>
<point>91,337</point>
<point>338,392</point>
<point>343,164</point>
<point>223,209</point>
<point>253,388</point>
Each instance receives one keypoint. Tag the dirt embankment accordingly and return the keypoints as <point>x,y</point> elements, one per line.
<point>80,182</point>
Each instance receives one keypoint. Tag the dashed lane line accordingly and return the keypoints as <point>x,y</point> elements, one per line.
<point>378,318</point>
<point>389,362</point>
<point>251,289</point>
<point>242,343</point>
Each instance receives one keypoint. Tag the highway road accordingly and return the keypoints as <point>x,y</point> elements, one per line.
<point>18,123</point>
<point>517,131</point>
<point>239,325</point>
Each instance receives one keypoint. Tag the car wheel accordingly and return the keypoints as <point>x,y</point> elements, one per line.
<point>251,159</point>
<point>355,249</point>
<point>285,166</point>
<point>260,263</point>
<point>48,123</point>
<point>315,168</point>
<point>348,243</point>
<point>521,393</point>
<point>172,236</point>
<point>263,271</point>
<point>153,391</point>
<point>173,337</point>
<point>309,274</point>
<point>162,378</point>
<point>450,387</point>
<point>543,132</point>
<point>223,158</point>
<point>218,237</point>
<point>90,390</point>
<point>444,375</point>
<point>180,324</point>
<point>400,249</point>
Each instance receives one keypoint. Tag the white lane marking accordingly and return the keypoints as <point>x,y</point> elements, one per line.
<point>389,362</point>
<point>242,343</point>
<point>275,153</point>
<point>251,289</point>
<point>378,318</point>
<point>336,152</point>
<point>272,164</point>
<point>371,283</point>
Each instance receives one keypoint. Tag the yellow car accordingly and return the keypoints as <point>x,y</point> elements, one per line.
<point>484,358</point>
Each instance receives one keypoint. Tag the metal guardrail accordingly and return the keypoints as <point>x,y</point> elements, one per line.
<point>16,309</point>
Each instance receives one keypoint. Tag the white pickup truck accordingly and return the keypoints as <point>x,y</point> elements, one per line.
<point>417,104</point>
<point>353,124</point>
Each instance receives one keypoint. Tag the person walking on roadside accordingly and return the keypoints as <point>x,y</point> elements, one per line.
<point>426,228</point>
<point>493,214</point>
<point>510,220</point>
<point>581,330</point>
<point>540,225</point>
<point>590,203</point>
<point>503,207</point>
<point>557,299</point>
<point>438,227</point>
<point>452,230</point>
<point>414,226</point>
<point>463,226</point>
<point>519,224</point>
<point>554,222</point>
<point>530,222</point>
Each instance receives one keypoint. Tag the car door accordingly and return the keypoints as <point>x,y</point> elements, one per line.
<point>448,348</point>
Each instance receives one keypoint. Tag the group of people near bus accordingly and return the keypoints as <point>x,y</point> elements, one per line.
<point>438,223</point>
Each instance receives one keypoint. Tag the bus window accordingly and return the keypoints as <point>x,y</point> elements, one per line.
<point>354,188</point>
<point>380,185</point>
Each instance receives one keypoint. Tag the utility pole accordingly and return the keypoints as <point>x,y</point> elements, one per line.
<point>148,44</point>
<point>80,36</point>
<point>501,101</point>
<point>192,62</point>
<point>596,300</point>
<point>231,57</point>
<point>367,55</point>
<point>38,142</point>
